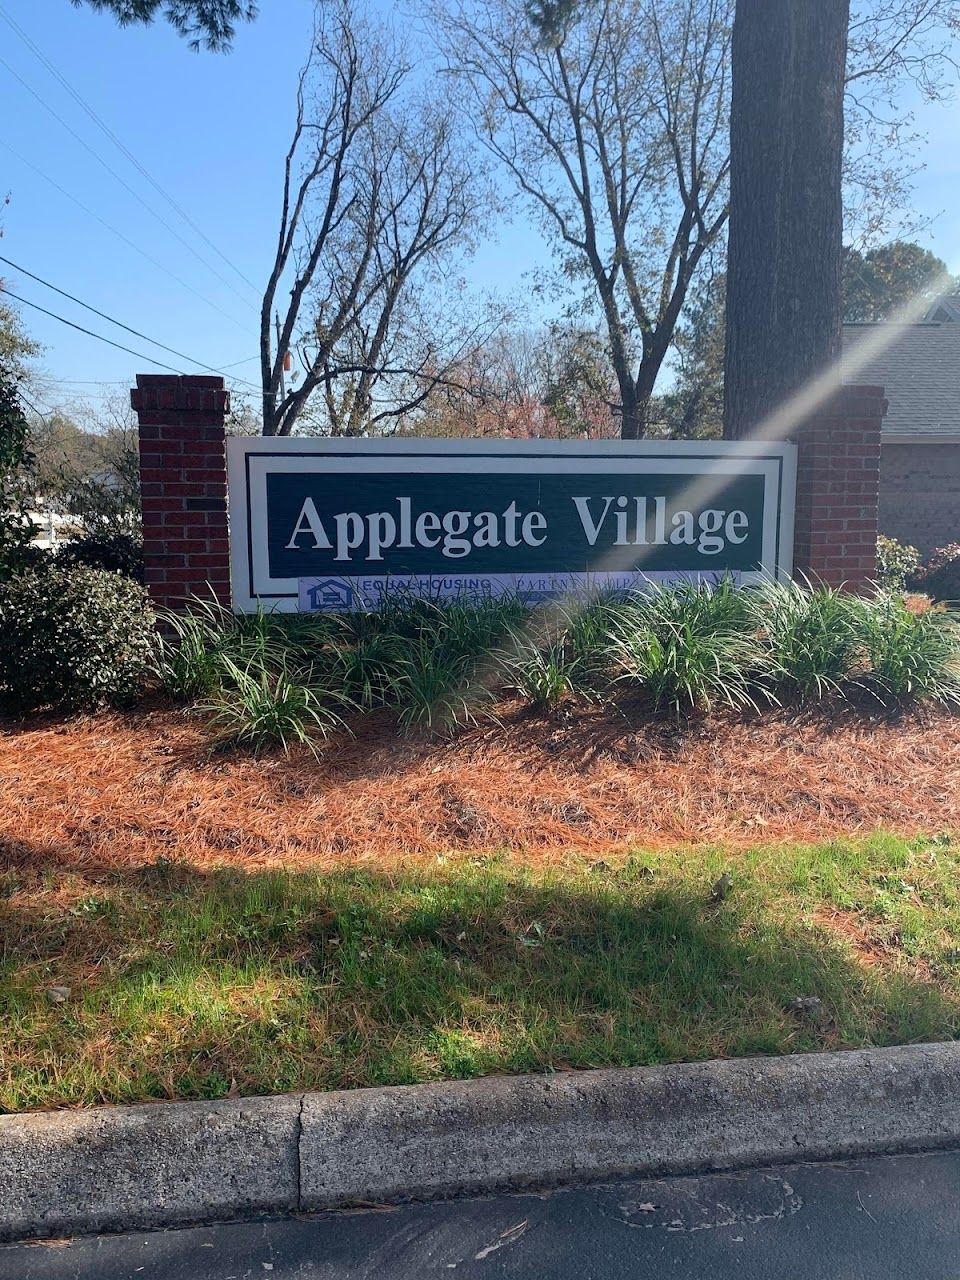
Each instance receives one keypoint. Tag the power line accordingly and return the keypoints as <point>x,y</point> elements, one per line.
<point>112,320</point>
<point>82,382</point>
<point>121,236</point>
<point>90,334</point>
<point>105,128</point>
<point>126,185</point>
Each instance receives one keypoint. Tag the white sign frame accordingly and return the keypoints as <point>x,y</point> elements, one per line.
<point>250,459</point>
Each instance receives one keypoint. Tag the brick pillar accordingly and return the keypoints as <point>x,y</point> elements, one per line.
<point>838,485</point>
<point>183,481</point>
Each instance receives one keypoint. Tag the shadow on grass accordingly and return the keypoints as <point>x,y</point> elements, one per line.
<point>192,984</point>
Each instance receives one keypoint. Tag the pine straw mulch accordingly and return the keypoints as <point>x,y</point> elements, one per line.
<point>112,791</point>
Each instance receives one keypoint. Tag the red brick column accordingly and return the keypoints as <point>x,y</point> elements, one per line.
<point>183,480</point>
<point>838,489</point>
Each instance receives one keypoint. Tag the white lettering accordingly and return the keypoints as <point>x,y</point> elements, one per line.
<point>488,530</point>
<point>586,519</point>
<point>383,533</point>
<point>349,534</point>
<point>455,525</point>
<point>404,504</point>
<point>510,517</point>
<point>427,522</point>
<point>534,521</point>
<point>737,521</point>
<point>682,529</point>
<point>309,522</point>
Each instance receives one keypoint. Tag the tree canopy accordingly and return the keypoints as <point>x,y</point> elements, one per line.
<point>877,283</point>
<point>208,23</point>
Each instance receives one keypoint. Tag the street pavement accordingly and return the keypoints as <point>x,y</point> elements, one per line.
<point>895,1217</point>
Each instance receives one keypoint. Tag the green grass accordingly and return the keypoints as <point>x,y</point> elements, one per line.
<point>191,985</point>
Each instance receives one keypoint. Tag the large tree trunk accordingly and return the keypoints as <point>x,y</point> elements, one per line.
<point>786,217</point>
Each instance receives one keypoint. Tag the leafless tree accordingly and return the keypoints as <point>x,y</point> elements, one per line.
<point>378,190</point>
<point>892,45</point>
<point>612,119</point>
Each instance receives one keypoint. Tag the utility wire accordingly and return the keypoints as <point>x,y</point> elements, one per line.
<point>90,333</point>
<point>165,271</point>
<point>112,320</point>
<point>105,129</point>
<point>126,185</point>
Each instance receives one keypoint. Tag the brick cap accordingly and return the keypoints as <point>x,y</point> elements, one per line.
<point>180,393</point>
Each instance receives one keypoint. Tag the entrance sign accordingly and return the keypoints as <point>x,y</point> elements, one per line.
<point>319,524</point>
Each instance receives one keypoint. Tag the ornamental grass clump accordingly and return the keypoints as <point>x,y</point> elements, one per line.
<point>440,665</point>
<point>190,648</point>
<point>261,706</point>
<point>688,647</point>
<point>813,636</point>
<point>547,676</point>
<point>911,655</point>
<point>438,686</point>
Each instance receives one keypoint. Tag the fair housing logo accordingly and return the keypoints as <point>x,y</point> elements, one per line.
<point>619,520</point>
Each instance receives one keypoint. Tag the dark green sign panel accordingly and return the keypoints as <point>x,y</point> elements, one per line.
<point>335,524</point>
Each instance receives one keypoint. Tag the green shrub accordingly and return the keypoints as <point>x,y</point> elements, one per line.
<point>117,552</point>
<point>940,574</point>
<point>436,686</point>
<point>911,655</point>
<point>546,676</point>
<point>260,707</point>
<point>688,647</point>
<point>74,638</point>
<point>812,636</point>
<point>897,562</point>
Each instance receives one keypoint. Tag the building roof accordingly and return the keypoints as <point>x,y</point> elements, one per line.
<point>945,308</point>
<point>918,366</point>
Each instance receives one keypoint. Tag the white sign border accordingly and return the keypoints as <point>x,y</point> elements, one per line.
<point>248,460</point>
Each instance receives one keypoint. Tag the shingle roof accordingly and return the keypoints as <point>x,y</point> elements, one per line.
<point>918,365</point>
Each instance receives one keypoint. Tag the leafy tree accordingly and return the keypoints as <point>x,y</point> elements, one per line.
<point>611,118</point>
<point>16,528</point>
<point>875,284</point>
<point>16,458</point>
<point>90,469</point>
<point>552,384</point>
<point>211,23</point>
<point>578,387</point>
<point>880,281</point>
<point>16,346</point>
<point>694,407</point>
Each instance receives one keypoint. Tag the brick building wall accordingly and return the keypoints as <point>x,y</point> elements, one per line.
<point>183,486</point>
<point>920,493</point>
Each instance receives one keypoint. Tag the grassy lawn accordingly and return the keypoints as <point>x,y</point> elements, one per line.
<point>191,982</point>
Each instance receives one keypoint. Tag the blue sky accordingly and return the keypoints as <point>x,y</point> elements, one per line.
<point>211,130</point>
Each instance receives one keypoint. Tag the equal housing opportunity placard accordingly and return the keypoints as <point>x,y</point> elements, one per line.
<point>319,524</point>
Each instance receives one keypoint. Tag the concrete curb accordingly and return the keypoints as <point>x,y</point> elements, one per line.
<point>116,1168</point>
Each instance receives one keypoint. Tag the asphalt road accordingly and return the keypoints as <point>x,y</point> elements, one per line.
<point>894,1217</point>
